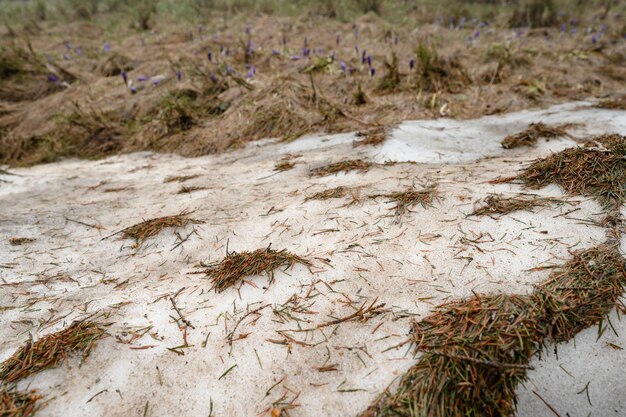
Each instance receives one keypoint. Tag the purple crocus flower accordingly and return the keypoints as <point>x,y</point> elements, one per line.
<point>68,45</point>
<point>213,78</point>
<point>133,89</point>
<point>142,78</point>
<point>563,28</point>
<point>179,74</point>
<point>209,56</point>
<point>594,39</point>
<point>296,57</point>
<point>251,72</point>
<point>343,66</point>
<point>53,78</point>
<point>124,76</point>
<point>156,82</point>
<point>275,52</point>
<point>78,51</point>
<point>372,71</point>
<point>369,61</point>
<point>573,31</point>
<point>67,57</point>
<point>106,47</point>
<point>306,51</point>
<point>476,34</point>
<point>332,56</point>
<point>249,51</point>
<point>364,57</point>
<point>412,63</point>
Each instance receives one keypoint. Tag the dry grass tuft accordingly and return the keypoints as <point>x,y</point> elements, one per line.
<point>140,232</point>
<point>498,205</point>
<point>373,137</point>
<point>18,404</point>
<point>237,265</point>
<point>406,199</point>
<point>51,350</point>
<point>597,169</point>
<point>534,132</point>
<point>613,103</point>
<point>474,353</point>
<point>342,166</point>
<point>435,73</point>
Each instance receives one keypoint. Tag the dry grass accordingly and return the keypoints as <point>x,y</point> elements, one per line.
<point>613,103</point>
<point>237,265</point>
<point>140,232</point>
<point>534,132</point>
<point>498,205</point>
<point>597,169</point>
<point>406,199</point>
<point>342,166</point>
<point>18,404</point>
<point>51,350</point>
<point>474,353</point>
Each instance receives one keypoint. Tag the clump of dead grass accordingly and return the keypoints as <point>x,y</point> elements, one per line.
<point>114,64</point>
<point>406,199</point>
<point>237,265</point>
<point>342,166</point>
<point>141,232</point>
<point>25,76</point>
<point>618,103</point>
<point>435,73</point>
<point>597,169</point>
<point>498,205</point>
<point>15,403</point>
<point>372,137</point>
<point>534,132</point>
<point>51,350</point>
<point>475,352</point>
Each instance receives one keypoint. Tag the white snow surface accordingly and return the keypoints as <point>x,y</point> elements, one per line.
<point>361,253</point>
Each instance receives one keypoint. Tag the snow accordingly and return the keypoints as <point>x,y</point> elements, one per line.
<point>412,264</point>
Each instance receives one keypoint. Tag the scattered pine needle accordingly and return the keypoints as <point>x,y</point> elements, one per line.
<point>237,265</point>
<point>498,205</point>
<point>284,165</point>
<point>180,178</point>
<point>372,137</point>
<point>336,192</point>
<point>149,228</point>
<point>342,166</point>
<point>534,132</point>
<point>18,404</point>
<point>406,199</point>
<point>474,353</point>
<point>17,241</point>
<point>51,350</point>
<point>597,169</point>
<point>190,189</point>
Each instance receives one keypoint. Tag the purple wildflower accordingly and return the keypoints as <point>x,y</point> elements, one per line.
<point>296,57</point>
<point>209,56</point>
<point>67,57</point>
<point>213,78</point>
<point>275,52</point>
<point>106,47</point>
<point>563,28</point>
<point>476,34</point>
<point>251,72</point>
<point>142,78</point>
<point>156,81</point>
<point>179,74</point>
<point>369,61</point>
<point>306,51</point>
<point>68,45</point>
<point>133,89</point>
<point>53,78</point>
<point>364,57</point>
<point>372,71</point>
<point>594,39</point>
<point>343,66</point>
<point>412,63</point>
<point>332,56</point>
<point>573,31</point>
<point>124,76</point>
